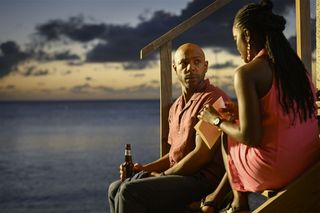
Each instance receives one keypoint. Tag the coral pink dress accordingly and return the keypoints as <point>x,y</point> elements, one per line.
<point>285,152</point>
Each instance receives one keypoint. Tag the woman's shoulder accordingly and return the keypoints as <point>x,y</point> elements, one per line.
<point>254,70</point>
<point>258,73</point>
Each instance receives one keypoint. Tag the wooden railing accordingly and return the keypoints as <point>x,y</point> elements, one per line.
<point>303,28</point>
<point>164,42</point>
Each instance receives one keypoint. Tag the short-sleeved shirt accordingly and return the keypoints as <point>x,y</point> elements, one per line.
<point>183,118</point>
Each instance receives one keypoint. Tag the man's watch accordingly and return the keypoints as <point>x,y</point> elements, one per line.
<point>217,121</point>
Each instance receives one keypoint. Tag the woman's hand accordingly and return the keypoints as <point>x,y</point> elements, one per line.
<point>208,114</point>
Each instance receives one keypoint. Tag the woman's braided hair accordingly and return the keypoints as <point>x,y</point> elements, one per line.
<point>292,80</point>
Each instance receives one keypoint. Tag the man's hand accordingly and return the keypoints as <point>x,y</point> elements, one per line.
<point>137,167</point>
<point>155,174</point>
<point>122,172</point>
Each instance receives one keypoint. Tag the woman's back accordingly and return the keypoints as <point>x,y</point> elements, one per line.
<point>261,73</point>
<point>286,148</point>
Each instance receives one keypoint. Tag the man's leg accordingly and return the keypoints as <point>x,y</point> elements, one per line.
<point>162,194</point>
<point>113,195</point>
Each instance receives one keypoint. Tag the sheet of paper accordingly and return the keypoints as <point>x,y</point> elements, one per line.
<point>208,132</point>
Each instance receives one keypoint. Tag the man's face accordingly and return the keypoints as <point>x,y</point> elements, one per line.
<point>190,66</point>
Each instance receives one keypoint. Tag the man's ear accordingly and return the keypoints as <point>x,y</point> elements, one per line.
<point>206,65</point>
<point>174,67</point>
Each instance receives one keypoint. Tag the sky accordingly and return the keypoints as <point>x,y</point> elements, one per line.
<point>89,49</point>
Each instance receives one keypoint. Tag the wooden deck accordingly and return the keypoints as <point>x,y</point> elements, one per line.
<point>301,196</point>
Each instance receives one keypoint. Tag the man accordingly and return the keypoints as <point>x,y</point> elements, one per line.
<point>190,170</point>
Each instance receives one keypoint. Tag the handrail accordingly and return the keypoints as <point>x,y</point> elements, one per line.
<point>182,27</point>
<point>303,30</point>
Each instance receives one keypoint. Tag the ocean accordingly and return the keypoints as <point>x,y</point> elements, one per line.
<point>61,156</point>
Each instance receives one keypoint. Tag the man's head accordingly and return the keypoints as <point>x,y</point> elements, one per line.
<point>190,66</point>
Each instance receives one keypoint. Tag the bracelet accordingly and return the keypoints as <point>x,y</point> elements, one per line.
<point>206,203</point>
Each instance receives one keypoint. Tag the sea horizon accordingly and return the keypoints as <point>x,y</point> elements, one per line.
<point>77,100</point>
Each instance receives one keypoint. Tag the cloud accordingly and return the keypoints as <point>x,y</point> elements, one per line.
<point>75,63</point>
<point>155,82</point>
<point>145,90</point>
<point>225,83</point>
<point>139,75</point>
<point>10,87</point>
<point>227,64</point>
<point>138,65</point>
<point>84,88</point>
<point>121,43</point>
<point>33,71</point>
<point>293,39</point>
<point>67,72</point>
<point>65,55</point>
<point>105,89</point>
<point>10,57</point>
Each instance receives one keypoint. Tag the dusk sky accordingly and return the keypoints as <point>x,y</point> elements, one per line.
<point>89,49</point>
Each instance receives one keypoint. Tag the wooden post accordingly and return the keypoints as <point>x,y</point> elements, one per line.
<point>165,94</point>
<point>304,33</point>
<point>318,43</point>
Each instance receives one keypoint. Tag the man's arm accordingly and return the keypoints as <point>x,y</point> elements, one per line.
<point>159,165</point>
<point>193,161</point>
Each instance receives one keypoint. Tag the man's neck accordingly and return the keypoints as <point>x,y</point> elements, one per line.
<point>187,94</point>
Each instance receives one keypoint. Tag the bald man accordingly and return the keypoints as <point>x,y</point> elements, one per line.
<point>190,170</point>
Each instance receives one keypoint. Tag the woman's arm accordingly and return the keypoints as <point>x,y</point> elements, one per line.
<point>248,131</point>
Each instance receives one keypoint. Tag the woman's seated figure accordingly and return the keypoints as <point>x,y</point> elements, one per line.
<point>276,136</point>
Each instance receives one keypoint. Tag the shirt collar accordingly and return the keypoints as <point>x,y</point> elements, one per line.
<point>200,89</point>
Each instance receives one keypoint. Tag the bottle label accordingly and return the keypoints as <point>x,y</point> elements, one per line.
<point>127,152</point>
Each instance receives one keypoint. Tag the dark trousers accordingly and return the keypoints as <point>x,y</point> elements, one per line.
<point>157,194</point>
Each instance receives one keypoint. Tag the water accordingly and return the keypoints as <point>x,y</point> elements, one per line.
<point>61,156</point>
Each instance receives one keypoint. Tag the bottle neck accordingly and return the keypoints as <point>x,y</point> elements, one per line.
<point>127,155</point>
<point>127,152</point>
<point>128,158</point>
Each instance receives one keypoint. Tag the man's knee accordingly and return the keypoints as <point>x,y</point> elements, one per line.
<point>128,190</point>
<point>113,189</point>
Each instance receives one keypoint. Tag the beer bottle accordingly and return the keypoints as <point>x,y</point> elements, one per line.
<point>128,164</point>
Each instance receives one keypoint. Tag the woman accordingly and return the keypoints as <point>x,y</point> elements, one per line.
<point>277,111</point>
